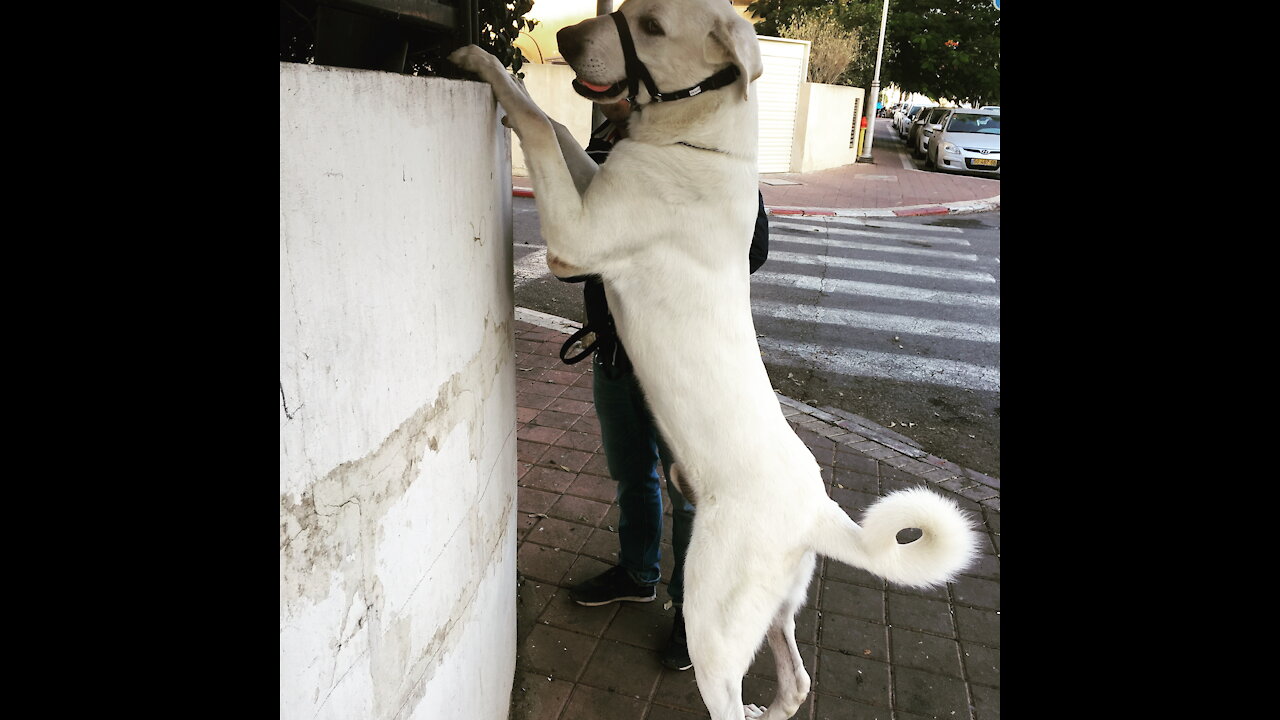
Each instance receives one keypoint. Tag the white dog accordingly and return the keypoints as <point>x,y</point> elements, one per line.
<point>667,223</point>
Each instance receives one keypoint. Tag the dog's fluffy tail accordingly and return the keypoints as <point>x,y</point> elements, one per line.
<point>946,547</point>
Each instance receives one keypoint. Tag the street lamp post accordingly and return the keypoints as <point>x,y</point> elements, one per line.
<point>869,105</point>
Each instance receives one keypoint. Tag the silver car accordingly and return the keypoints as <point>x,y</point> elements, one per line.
<point>902,121</point>
<point>932,121</point>
<point>967,141</point>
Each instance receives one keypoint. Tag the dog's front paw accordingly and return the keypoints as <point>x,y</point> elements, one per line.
<point>752,712</point>
<point>474,59</point>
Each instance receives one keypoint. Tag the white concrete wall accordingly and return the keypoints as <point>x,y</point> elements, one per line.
<point>549,86</point>
<point>824,118</point>
<point>397,420</point>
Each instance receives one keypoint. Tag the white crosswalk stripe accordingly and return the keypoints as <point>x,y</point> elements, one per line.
<point>829,286</point>
<point>873,247</point>
<point>853,361</point>
<point>879,321</point>
<point>880,266</point>
<point>834,228</point>
<point>864,297</point>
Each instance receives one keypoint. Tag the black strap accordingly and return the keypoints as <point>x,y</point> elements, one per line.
<point>637,72</point>
<point>564,349</point>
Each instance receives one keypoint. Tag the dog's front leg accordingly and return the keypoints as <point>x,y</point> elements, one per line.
<point>565,223</point>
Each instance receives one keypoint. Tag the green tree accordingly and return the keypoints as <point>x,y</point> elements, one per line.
<point>945,49</point>
<point>941,48</point>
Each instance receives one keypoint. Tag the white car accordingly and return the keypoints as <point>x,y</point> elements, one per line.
<point>903,119</point>
<point>933,118</point>
<point>967,141</point>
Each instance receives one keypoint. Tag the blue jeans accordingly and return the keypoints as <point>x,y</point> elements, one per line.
<point>633,449</point>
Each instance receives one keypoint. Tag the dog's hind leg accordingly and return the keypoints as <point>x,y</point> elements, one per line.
<point>793,681</point>
<point>730,604</point>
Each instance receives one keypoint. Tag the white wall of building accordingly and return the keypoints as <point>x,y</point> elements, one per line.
<point>397,419</point>
<point>824,120</point>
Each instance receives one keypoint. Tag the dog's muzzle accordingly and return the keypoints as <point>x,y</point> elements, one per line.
<point>637,73</point>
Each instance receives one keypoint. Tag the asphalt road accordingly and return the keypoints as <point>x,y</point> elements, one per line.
<point>896,321</point>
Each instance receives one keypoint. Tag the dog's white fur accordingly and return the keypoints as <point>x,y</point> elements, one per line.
<point>668,228</point>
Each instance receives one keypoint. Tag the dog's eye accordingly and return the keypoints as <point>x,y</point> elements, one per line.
<point>651,26</point>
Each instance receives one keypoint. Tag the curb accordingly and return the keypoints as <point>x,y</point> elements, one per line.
<point>854,432</point>
<point>955,208</point>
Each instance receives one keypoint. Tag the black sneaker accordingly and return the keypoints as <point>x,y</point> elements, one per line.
<point>612,585</point>
<point>676,654</point>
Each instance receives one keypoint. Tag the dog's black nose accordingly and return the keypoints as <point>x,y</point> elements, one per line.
<point>570,40</point>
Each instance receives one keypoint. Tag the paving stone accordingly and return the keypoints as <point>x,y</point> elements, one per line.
<point>830,707</point>
<point>586,442</point>
<point>563,613</point>
<point>565,458</point>
<point>558,653</point>
<point>982,663</point>
<point>929,694</point>
<point>543,563</point>
<point>530,452</point>
<point>602,546</point>
<point>634,626</point>
<point>986,702</point>
<point>977,592</point>
<point>853,678</point>
<point>547,479</point>
<point>661,712</point>
<point>624,669</point>
<point>925,651</point>
<point>580,510</point>
<point>555,533</point>
<point>680,690</point>
<point>556,419</point>
<point>589,703</point>
<point>919,613</point>
<point>537,698</point>
<point>594,487</point>
<point>855,600</point>
<point>530,500</point>
<point>854,636</point>
<point>570,406</point>
<point>978,625</point>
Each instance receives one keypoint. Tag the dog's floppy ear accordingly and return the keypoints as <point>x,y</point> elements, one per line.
<point>734,40</point>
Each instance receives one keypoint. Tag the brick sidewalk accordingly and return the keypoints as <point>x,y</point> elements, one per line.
<point>873,652</point>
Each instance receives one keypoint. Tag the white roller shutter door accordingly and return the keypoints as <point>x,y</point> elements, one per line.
<point>786,65</point>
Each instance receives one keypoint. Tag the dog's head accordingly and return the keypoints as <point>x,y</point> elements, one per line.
<point>681,42</point>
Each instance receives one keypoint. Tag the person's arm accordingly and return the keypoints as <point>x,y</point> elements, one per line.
<point>760,240</point>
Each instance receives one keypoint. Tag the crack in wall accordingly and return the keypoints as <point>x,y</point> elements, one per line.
<point>332,528</point>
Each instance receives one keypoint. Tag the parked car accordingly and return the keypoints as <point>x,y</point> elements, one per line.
<point>966,141</point>
<point>913,131</point>
<point>932,121</point>
<point>902,122</point>
<point>989,107</point>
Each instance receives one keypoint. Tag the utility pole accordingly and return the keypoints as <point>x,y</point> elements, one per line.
<point>869,104</point>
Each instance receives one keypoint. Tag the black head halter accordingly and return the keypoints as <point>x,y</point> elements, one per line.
<point>637,72</point>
